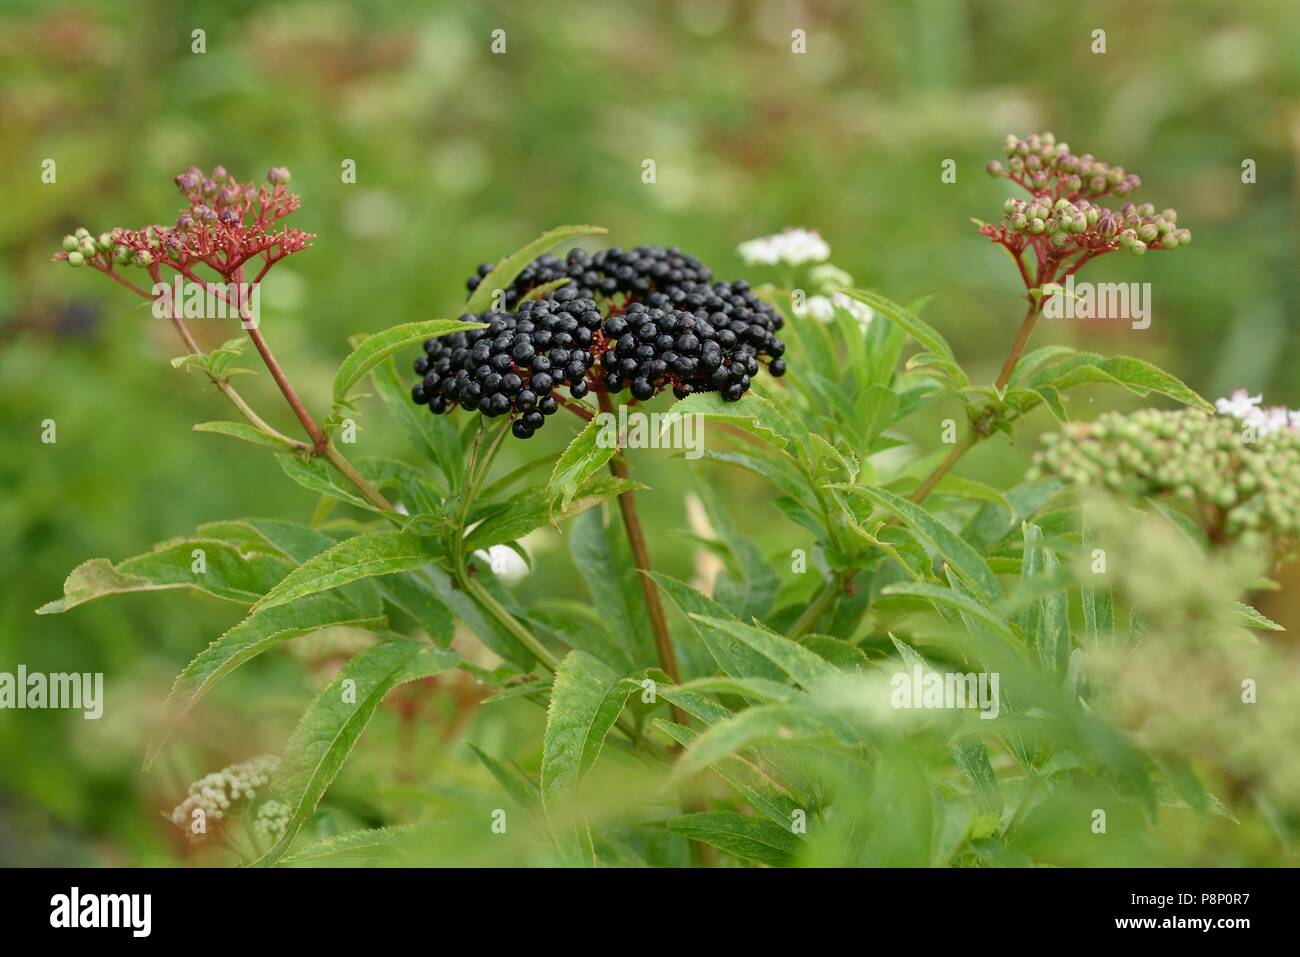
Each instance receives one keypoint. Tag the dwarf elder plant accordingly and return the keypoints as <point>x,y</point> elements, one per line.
<point>947,685</point>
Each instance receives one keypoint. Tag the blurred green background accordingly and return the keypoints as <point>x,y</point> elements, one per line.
<point>463,155</point>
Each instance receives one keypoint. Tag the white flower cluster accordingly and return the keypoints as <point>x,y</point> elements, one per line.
<point>1242,405</point>
<point>822,308</point>
<point>790,247</point>
<point>272,819</point>
<point>218,792</point>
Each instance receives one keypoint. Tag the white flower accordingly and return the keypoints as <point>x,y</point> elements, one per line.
<point>1242,405</point>
<point>504,562</point>
<point>792,247</point>
<point>822,308</point>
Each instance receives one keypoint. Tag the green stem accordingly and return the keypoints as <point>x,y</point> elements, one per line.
<point>815,607</point>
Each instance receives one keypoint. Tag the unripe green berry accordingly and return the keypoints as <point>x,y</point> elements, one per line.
<point>76,259</point>
<point>142,257</point>
<point>70,243</point>
<point>87,248</point>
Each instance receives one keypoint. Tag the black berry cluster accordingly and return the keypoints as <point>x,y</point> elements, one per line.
<point>643,320</point>
<point>515,364</point>
<point>609,272</point>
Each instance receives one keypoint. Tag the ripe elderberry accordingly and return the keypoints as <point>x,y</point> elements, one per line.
<point>643,320</point>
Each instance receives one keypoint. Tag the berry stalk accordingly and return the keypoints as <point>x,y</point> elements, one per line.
<point>641,556</point>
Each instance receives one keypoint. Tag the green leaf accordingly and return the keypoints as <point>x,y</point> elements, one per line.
<point>522,789</point>
<point>739,835</point>
<point>244,432</point>
<point>764,793</point>
<point>362,556</point>
<point>937,594</point>
<point>217,362</point>
<point>775,467</point>
<point>1250,618</point>
<point>733,656</point>
<point>412,594</point>
<point>752,413</point>
<point>333,722</point>
<point>531,509</point>
<point>375,349</point>
<point>1098,603</point>
<point>586,700</point>
<point>957,486</point>
<point>587,454</point>
<point>257,633</point>
<point>318,476</point>
<point>432,435</point>
<point>973,760</point>
<point>227,572</point>
<point>917,328</point>
<point>763,723</point>
<point>505,271</point>
<point>801,665</point>
<point>932,533</point>
<point>614,584</point>
<point>369,847</point>
<point>1140,378</point>
<point>1045,622</point>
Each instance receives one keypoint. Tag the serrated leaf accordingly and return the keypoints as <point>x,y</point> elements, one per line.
<point>763,723</point>
<point>932,533</point>
<point>1045,622</point>
<point>328,730</point>
<point>317,476</point>
<point>375,349</point>
<point>732,655</point>
<point>370,847</point>
<point>245,433</point>
<point>612,580</point>
<point>229,573</point>
<point>585,456</point>
<point>1139,377</point>
<point>1250,618</point>
<point>764,793</point>
<point>362,556</point>
<point>505,271</point>
<point>432,435</point>
<point>586,700</point>
<point>253,635</point>
<point>801,665</point>
<point>917,328</point>
<point>973,760</point>
<point>752,413</point>
<point>949,597</point>
<point>739,835</point>
<point>531,509</point>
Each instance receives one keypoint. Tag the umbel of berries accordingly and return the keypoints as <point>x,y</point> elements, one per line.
<point>642,320</point>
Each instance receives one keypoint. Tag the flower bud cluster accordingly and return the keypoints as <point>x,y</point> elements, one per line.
<point>271,820</point>
<point>223,792</point>
<point>1242,472</point>
<point>225,224</point>
<point>1062,217</point>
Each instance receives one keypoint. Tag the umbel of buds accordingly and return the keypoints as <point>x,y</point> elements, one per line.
<point>1062,217</point>
<point>644,320</point>
<point>1241,472</point>
<point>224,224</point>
<point>223,793</point>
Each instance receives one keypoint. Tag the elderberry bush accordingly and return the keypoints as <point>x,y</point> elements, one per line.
<point>642,320</point>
